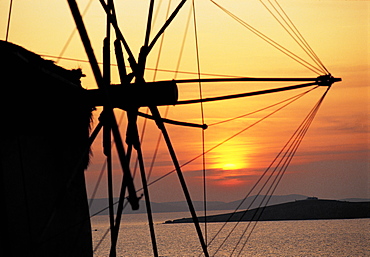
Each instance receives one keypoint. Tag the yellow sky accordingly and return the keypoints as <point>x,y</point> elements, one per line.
<point>338,31</point>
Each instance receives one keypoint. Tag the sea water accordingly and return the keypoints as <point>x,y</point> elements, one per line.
<point>337,238</point>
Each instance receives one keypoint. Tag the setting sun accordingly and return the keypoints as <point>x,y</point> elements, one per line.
<point>230,166</point>
<point>230,157</point>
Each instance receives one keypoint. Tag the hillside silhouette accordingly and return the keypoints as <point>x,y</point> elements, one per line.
<point>309,209</point>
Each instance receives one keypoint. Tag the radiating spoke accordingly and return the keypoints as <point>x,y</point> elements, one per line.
<point>133,139</point>
<point>171,150</point>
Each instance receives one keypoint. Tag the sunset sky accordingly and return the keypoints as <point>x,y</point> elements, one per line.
<point>333,159</point>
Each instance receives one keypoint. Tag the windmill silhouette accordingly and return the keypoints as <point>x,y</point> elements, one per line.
<point>43,159</point>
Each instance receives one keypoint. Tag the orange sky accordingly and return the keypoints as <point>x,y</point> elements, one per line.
<point>333,160</point>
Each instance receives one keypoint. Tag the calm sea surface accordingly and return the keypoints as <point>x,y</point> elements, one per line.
<point>269,238</point>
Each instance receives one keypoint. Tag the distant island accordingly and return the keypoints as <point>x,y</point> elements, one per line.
<point>311,208</point>
<point>99,206</point>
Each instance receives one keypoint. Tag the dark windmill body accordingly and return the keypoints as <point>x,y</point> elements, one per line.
<point>45,147</point>
<point>44,152</point>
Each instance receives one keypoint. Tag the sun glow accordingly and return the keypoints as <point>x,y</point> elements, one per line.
<point>230,166</point>
<point>232,163</point>
<point>230,157</point>
<point>228,163</point>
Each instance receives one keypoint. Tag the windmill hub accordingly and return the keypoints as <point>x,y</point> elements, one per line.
<point>136,95</point>
<point>327,80</point>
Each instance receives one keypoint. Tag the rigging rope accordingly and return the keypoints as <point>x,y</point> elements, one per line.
<point>293,143</point>
<point>151,69</point>
<point>270,41</point>
<point>259,110</point>
<point>259,180</point>
<point>202,118</point>
<point>262,92</point>
<point>288,155</point>
<point>302,38</point>
<point>9,17</point>
<point>292,30</point>
<point>72,34</point>
<point>300,133</point>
